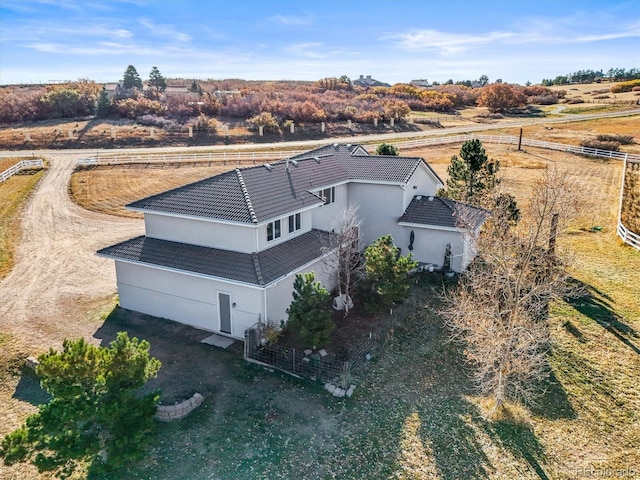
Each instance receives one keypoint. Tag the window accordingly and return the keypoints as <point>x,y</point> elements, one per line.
<point>294,222</point>
<point>328,195</point>
<point>273,230</point>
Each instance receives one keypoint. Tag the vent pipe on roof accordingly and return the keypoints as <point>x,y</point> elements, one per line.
<point>287,165</point>
<point>294,163</point>
<point>268,166</point>
<point>317,159</point>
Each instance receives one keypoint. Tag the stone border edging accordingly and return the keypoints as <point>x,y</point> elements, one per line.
<point>167,413</point>
<point>164,413</point>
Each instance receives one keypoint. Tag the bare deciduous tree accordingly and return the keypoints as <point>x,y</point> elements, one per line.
<point>498,310</point>
<point>344,259</point>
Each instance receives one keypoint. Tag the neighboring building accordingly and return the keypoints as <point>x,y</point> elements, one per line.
<point>369,82</point>
<point>221,254</point>
<point>420,82</point>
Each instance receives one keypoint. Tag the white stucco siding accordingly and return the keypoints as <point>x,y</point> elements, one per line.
<point>238,238</point>
<point>186,299</point>
<point>430,243</point>
<point>422,182</point>
<point>305,225</point>
<point>379,207</point>
<point>279,296</point>
<point>325,217</point>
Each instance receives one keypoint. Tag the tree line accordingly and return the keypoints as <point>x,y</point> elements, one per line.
<point>591,76</point>
<point>268,104</point>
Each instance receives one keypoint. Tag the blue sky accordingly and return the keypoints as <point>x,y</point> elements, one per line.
<point>394,41</point>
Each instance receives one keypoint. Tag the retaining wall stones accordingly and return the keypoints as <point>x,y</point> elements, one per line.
<point>166,413</point>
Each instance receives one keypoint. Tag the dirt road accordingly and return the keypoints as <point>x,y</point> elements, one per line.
<point>57,277</point>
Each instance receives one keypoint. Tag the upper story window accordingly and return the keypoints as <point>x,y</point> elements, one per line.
<point>274,230</point>
<point>294,223</point>
<point>328,195</point>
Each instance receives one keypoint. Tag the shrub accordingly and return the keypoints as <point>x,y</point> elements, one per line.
<point>625,86</point>
<point>601,145</point>
<point>543,100</point>
<point>266,120</point>
<point>575,100</point>
<point>621,139</point>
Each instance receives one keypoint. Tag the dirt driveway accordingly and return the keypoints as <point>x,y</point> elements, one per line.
<point>57,278</point>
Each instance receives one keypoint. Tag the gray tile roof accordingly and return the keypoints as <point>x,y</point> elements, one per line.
<point>441,212</point>
<point>258,194</point>
<point>256,269</point>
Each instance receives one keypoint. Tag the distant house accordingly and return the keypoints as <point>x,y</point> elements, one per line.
<point>420,82</point>
<point>221,254</point>
<point>369,82</point>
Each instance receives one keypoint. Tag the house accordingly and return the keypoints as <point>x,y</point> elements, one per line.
<point>367,81</point>
<point>420,82</point>
<point>221,254</point>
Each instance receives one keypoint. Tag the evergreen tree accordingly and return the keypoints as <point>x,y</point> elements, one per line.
<point>387,273</point>
<point>386,149</point>
<point>103,105</point>
<point>131,78</point>
<point>96,414</point>
<point>309,313</point>
<point>472,176</point>
<point>156,80</point>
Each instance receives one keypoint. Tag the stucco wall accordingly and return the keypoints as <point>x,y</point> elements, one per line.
<point>325,216</point>
<point>422,182</point>
<point>186,299</point>
<point>279,296</point>
<point>238,238</point>
<point>305,226</point>
<point>379,208</point>
<point>429,246</point>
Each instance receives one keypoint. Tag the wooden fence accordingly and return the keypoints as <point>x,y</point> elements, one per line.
<point>21,165</point>
<point>238,158</point>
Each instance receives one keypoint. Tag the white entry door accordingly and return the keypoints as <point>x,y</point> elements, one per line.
<point>224,307</point>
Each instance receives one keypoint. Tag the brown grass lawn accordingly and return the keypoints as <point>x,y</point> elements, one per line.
<point>13,194</point>
<point>7,162</point>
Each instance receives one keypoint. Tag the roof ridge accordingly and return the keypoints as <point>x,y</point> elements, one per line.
<point>256,264</point>
<point>245,194</point>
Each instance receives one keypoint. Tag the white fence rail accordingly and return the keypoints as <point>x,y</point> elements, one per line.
<point>254,157</point>
<point>628,236</point>
<point>21,165</point>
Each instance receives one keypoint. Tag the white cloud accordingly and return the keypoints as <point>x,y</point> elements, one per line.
<point>292,20</point>
<point>164,30</point>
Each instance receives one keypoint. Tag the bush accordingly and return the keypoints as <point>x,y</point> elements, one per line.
<point>621,139</point>
<point>159,122</point>
<point>266,120</point>
<point>575,100</point>
<point>601,145</point>
<point>625,86</point>
<point>543,100</point>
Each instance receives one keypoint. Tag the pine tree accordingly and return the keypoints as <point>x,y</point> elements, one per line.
<point>103,105</point>
<point>387,272</point>
<point>156,80</point>
<point>387,149</point>
<point>96,413</point>
<point>309,313</point>
<point>472,176</point>
<point>131,78</point>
